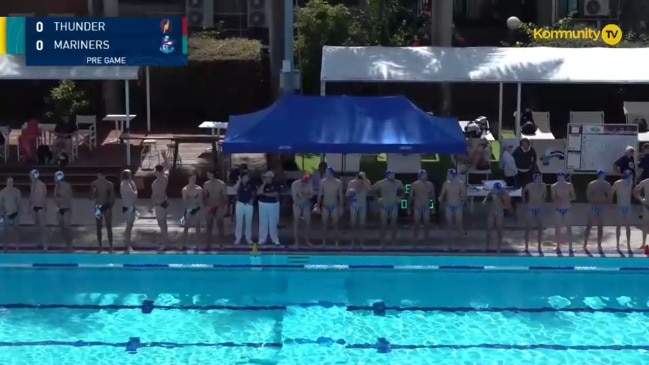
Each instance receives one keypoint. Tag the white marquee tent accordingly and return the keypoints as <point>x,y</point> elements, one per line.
<point>484,64</point>
<point>13,68</point>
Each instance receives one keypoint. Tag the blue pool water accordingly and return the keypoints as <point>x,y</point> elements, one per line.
<point>240,316</point>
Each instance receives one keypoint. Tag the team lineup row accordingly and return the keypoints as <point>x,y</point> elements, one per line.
<point>210,203</point>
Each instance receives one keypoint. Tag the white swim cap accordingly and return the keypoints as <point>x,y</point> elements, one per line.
<point>98,213</point>
<point>58,176</point>
<point>34,173</point>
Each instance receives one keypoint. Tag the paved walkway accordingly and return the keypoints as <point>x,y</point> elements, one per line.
<point>145,236</point>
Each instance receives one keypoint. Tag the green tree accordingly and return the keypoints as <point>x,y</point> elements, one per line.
<point>322,22</point>
<point>65,101</point>
<point>319,23</point>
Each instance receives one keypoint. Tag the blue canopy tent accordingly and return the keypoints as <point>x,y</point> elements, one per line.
<point>343,124</point>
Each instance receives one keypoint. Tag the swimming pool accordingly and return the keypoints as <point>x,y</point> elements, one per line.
<point>208,309</point>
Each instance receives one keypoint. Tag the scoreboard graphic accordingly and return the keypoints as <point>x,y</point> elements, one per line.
<point>96,41</point>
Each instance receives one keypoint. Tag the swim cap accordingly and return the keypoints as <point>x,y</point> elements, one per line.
<point>389,173</point>
<point>35,174</point>
<point>422,173</point>
<point>498,186</point>
<point>561,173</point>
<point>536,176</point>
<point>360,175</point>
<point>306,177</point>
<point>58,176</point>
<point>331,170</point>
<point>628,173</point>
<point>600,172</point>
<point>452,172</point>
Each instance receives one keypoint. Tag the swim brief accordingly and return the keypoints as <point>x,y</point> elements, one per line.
<point>358,208</point>
<point>330,208</point>
<point>597,210</point>
<point>497,213</point>
<point>422,211</point>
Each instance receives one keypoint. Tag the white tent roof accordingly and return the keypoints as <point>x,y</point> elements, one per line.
<point>13,68</point>
<point>485,64</point>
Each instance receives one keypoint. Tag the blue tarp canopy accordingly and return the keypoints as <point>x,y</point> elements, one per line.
<point>343,124</point>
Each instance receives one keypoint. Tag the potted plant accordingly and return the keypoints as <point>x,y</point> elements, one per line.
<point>66,101</point>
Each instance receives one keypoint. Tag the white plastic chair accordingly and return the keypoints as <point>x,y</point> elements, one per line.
<point>587,117</point>
<point>542,121</point>
<point>87,131</point>
<point>149,153</point>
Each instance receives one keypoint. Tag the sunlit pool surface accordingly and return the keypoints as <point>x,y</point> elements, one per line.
<point>373,317</point>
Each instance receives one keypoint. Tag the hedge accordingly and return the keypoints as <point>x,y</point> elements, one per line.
<point>204,49</point>
<point>224,77</point>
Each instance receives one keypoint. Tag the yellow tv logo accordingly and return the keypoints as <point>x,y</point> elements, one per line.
<point>610,34</point>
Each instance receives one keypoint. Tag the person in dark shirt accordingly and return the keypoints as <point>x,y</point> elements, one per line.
<point>245,194</point>
<point>525,158</point>
<point>268,194</point>
<point>233,177</point>
<point>63,132</point>
<point>626,162</point>
<point>643,164</point>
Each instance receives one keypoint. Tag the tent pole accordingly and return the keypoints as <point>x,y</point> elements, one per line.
<point>500,109</point>
<point>323,88</point>
<point>148,100</point>
<point>518,109</point>
<point>127,98</point>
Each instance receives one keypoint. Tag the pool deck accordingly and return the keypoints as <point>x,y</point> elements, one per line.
<point>145,237</point>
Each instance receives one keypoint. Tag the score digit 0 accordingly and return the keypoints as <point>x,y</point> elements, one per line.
<point>39,29</point>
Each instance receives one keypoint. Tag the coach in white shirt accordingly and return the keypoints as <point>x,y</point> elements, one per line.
<point>508,165</point>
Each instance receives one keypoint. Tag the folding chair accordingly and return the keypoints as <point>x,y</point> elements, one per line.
<point>87,131</point>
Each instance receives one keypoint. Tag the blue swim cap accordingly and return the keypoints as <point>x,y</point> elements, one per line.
<point>561,173</point>
<point>452,172</point>
<point>331,170</point>
<point>498,186</point>
<point>628,173</point>
<point>536,176</point>
<point>389,172</point>
<point>422,172</point>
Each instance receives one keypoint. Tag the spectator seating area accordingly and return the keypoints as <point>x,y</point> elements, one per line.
<point>82,133</point>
